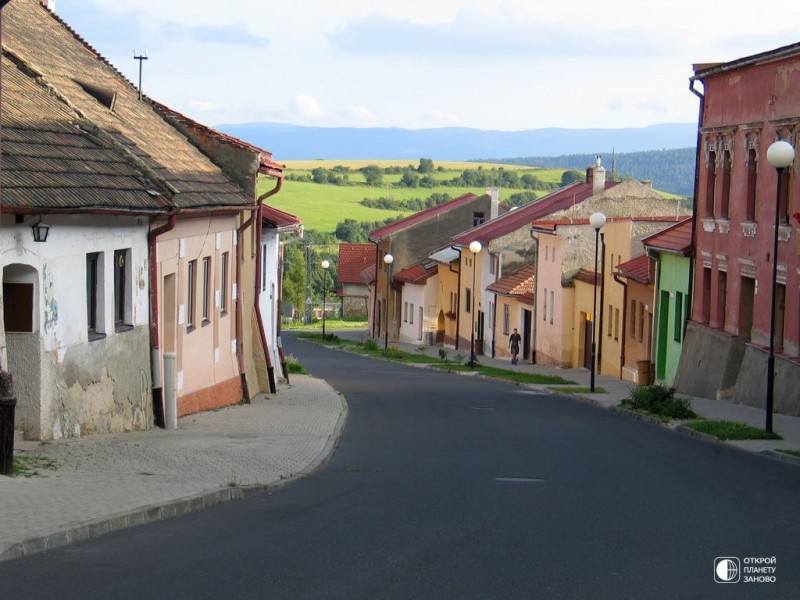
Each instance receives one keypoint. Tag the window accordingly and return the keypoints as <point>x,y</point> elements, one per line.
<point>632,332</point>
<point>641,321</point>
<point>544,312</point>
<point>722,297</point>
<point>223,277</point>
<point>264,268</point>
<point>492,316</point>
<point>552,305</point>
<point>411,314</point>
<point>122,296</point>
<point>726,184</point>
<point>18,306</point>
<point>783,211</point>
<point>493,260</point>
<point>610,322</point>
<point>546,253</point>
<point>616,324</point>
<point>191,294</point>
<point>705,315</point>
<point>677,326</point>
<point>467,300</point>
<point>94,286</point>
<point>206,300</point>
<point>405,312</point>
<point>750,205</point>
<point>478,218</point>
<point>711,184</point>
<point>506,318</point>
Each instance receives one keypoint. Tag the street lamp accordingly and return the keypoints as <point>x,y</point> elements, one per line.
<point>475,248</point>
<point>388,259</point>
<point>780,155</point>
<point>597,221</point>
<point>325,265</point>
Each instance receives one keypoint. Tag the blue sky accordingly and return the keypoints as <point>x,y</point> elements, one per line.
<point>487,64</point>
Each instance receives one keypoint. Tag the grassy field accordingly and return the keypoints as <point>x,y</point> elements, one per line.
<point>322,207</point>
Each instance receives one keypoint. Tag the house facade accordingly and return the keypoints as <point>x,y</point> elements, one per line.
<point>410,241</point>
<point>354,259</point>
<point>745,106</point>
<point>419,284</point>
<point>511,309</point>
<point>153,233</point>
<point>670,252</point>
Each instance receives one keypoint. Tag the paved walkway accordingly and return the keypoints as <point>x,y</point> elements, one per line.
<point>109,482</point>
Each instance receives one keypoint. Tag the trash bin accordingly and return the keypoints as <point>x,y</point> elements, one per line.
<point>7,408</point>
<point>643,372</point>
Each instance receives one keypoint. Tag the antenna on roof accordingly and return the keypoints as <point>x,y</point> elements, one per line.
<point>141,58</point>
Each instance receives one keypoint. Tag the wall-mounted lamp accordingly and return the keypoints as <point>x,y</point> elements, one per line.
<point>40,231</point>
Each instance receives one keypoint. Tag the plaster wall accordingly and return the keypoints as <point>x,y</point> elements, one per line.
<point>66,385</point>
<point>419,296</point>
<point>268,294</point>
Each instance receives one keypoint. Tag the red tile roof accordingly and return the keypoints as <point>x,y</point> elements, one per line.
<point>353,260</point>
<point>417,273</point>
<point>637,269</point>
<point>279,219</point>
<point>423,215</point>
<point>521,217</point>
<point>518,283</point>
<point>586,276</point>
<point>676,239</point>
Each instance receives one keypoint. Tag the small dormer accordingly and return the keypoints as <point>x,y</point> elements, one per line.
<point>105,96</point>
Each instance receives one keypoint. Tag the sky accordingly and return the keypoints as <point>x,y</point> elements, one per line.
<point>486,64</point>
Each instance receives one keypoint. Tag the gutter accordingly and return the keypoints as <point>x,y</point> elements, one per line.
<point>257,296</point>
<point>155,358</point>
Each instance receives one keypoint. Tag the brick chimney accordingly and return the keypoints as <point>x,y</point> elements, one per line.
<point>598,177</point>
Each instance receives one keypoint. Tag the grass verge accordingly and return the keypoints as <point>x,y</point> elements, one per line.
<point>790,452</point>
<point>581,390</point>
<point>729,430</point>
<point>30,465</point>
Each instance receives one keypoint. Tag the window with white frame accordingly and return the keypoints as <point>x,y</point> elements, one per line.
<point>123,309</point>
<point>94,295</point>
<point>191,294</point>
<point>223,278</point>
<point>544,312</point>
<point>552,305</point>
<point>206,300</point>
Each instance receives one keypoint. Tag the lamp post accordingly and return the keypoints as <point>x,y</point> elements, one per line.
<point>780,155</point>
<point>597,221</point>
<point>475,248</point>
<point>388,259</point>
<point>325,265</point>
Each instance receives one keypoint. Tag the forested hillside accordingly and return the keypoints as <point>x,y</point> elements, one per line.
<point>671,170</point>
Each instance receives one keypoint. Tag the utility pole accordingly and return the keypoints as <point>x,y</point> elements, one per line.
<point>141,58</point>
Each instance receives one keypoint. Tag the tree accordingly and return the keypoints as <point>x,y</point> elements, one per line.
<point>409,179</point>
<point>571,176</point>
<point>294,276</point>
<point>373,175</point>
<point>425,165</point>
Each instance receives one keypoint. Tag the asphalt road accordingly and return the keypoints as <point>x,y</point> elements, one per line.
<point>452,487</point>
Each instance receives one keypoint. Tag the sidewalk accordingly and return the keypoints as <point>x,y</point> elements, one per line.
<point>108,482</point>
<point>617,390</point>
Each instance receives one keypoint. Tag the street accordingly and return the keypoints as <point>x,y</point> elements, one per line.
<point>447,486</point>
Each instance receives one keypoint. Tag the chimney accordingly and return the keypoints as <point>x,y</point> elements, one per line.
<point>648,183</point>
<point>494,194</point>
<point>51,5</point>
<point>598,178</point>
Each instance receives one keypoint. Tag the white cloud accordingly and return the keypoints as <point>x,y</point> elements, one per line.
<point>307,106</point>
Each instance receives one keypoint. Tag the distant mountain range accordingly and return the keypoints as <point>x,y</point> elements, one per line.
<point>296,142</point>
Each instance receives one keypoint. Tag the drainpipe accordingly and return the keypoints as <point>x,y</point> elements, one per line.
<point>458,301</point>
<point>624,322</point>
<point>239,305</point>
<point>602,300</point>
<point>259,318</point>
<point>155,359</point>
<point>692,246</point>
<point>375,289</point>
<point>535,294</point>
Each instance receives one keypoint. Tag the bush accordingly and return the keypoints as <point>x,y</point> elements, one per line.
<point>370,345</point>
<point>659,400</point>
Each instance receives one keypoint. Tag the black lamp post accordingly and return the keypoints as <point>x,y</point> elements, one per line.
<point>325,265</point>
<point>388,259</point>
<point>597,221</point>
<point>780,155</point>
<point>475,248</point>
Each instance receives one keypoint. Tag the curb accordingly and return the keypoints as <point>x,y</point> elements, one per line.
<point>787,458</point>
<point>175,508</point>
<point>140,516</point>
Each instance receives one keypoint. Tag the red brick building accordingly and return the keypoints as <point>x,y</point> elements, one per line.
<point>745,105</point>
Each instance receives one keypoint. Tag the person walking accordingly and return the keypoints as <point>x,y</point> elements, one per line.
<point>513,344</point>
